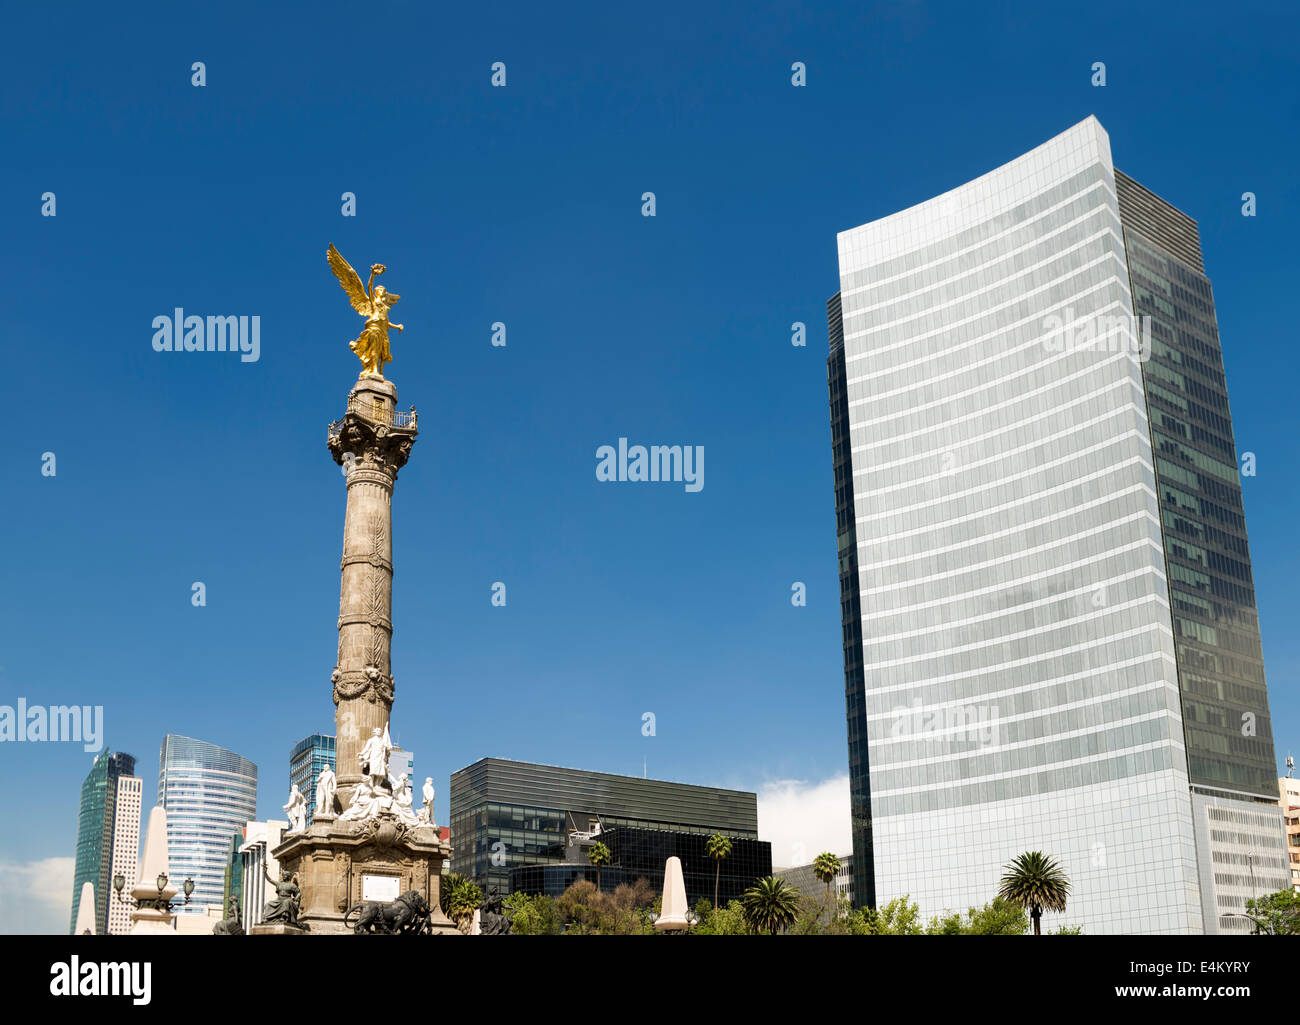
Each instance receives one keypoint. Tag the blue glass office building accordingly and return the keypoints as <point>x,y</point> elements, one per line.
<point>209,794</point>
<point>96,820</point>
<point>308,757</point>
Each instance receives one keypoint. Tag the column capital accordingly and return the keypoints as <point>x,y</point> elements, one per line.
<point>373,436</point>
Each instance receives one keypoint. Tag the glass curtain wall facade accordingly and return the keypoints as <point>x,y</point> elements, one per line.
<point>1216,626</point>
<point>846,542</point>
<point>96,821</point>
<point>506,814</point>
<point>308,757</point>
<point>233,884</point>
<point>1019,679</point>
<point>642,854</point>
<point>209,794</point>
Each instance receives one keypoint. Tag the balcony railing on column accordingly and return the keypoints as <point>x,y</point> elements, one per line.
<point>377,412</point>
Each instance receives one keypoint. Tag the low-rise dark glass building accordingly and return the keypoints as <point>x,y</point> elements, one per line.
<point>552,880</point>
<point>508,815</point>
<point>641,854</point>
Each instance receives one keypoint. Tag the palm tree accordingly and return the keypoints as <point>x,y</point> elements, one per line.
<point>770,904</point>
<point>718,847</point>
<point>826,866</point>
<point>459,898</point>
<point>1037,883</point>
<point>599,855</point>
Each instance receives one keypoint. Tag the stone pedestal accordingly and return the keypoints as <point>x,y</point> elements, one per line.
<point>333,860</point>
<point>277,929</point>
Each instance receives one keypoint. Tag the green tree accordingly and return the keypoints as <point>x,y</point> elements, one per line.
<point>599,855</point>
<point>584,910</point>
<point>999,918</point>
<point>719,847</point>
<point>1277,914</point>
<point>770,904</point>
<point>580,908</point>
<point>459,898</point>
<point>631,907</point>
<point>809,923</point>
<point>534,915</point>
<point>728,920</point>
<point>1037,883</point>
<point>900,917</point>
<point>826,866</point>
<point>848,921</point>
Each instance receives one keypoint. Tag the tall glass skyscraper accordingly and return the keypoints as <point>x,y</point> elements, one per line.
<point>97,825</point>
<point>308,757</point>
<point>208,793</point>
<point>1216,628</point>
<point>1011,657</point>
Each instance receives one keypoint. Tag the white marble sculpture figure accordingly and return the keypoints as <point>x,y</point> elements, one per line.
<point>363,803</point>
<point>426,814</point>
<point>402,801</point>
<point>383,802</point>
<point>296,809</point>
<point>374,757</point>
<point>326,787</point>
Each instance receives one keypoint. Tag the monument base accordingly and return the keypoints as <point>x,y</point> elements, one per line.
<point>342,864</point>
<point>277,929</point>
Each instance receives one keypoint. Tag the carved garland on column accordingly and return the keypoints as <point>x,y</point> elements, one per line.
<point>375,685</point>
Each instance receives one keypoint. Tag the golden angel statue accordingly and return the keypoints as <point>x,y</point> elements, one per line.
<point>371,346</point>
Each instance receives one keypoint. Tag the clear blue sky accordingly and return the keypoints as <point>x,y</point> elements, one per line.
<point>522,204</point>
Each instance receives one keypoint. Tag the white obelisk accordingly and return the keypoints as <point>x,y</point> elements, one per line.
<point>152,916</point>
<point>672,917</point>
<point>86,911</point>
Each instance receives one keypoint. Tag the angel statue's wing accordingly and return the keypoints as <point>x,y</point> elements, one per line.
<point>350,281</point>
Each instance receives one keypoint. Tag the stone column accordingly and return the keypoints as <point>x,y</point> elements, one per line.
<point>372,442</point>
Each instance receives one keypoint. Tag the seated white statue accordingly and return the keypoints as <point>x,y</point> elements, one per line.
<point>363,804</point>
<point>402,801</point>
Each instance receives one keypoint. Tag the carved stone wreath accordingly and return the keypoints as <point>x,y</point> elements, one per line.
<point>376,686</point>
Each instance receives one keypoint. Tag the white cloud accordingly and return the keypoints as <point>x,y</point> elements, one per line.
<point>36,896</point>
<point>801,819</point>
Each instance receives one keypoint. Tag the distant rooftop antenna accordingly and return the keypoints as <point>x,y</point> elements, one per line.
<point>644,776</point>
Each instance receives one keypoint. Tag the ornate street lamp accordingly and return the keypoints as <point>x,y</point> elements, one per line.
<point>692,920</point>
<point>160,902</point>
